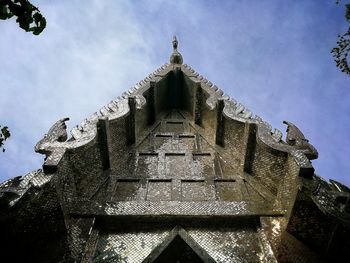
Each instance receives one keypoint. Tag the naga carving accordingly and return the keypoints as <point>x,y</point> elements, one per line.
<point>57,133</point>
<point>54,143</point>
<point>297,139</point>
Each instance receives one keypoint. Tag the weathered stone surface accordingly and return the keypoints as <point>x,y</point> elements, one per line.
<point>174,170</point>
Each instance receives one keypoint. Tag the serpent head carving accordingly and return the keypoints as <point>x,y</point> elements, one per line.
<point>297,139</point>
<point>57,133</point>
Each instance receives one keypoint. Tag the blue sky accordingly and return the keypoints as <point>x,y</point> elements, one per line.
<point>272,56</point>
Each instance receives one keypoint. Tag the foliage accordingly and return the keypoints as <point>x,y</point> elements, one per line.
<point>30,19</point>
<point>4,135</point>
<point>28,16</point>
<point>341,51</point>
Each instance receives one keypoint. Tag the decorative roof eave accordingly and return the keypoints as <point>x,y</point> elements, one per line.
<point>12,190</point>
<point>119,107</point>
<point>302,153</point>
<point>54,145</point>
<point>326,198</point>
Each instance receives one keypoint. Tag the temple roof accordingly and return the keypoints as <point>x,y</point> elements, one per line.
<point>174,151</point>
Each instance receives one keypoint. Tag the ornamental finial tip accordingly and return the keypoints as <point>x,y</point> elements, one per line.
<point>175,57</point>
<point>175,42</point>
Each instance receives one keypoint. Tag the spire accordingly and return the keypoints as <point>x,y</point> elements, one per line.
<point>176,57</point>
<point>174,43</point>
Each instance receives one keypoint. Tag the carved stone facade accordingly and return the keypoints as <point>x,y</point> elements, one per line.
<point>174,171</point>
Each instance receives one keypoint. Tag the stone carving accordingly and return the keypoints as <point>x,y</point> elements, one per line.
<point>57,133</point>
<point>176,57</point>
<point>54,143</point>
<point>297,139</point>
<point>12,190</point>
<point>330,199</point>
<point>277,135</point>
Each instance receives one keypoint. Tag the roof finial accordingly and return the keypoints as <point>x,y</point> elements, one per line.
<point>176,57</point>
<point>174,43</point>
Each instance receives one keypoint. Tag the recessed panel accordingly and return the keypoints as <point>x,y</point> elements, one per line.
<point>126,190</point>
<point>193,191</point>
<point>202,165</point>
<point>228,190</point>
<point>159,190</point>
<point>164,142</point>
<point>187,142</point>
<point>176,165</point>
<point>147,165</point>
<point>175,126</point>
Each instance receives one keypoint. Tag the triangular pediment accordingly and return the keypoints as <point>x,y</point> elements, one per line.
<point>173,150</point>
<point>178,246</point>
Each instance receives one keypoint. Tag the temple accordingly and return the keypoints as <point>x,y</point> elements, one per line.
<point>174,171</point>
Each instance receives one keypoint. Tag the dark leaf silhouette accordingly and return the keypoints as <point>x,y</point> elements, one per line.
<point>4,135</point>
<point>28,16</point>
<point>341,51</point>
